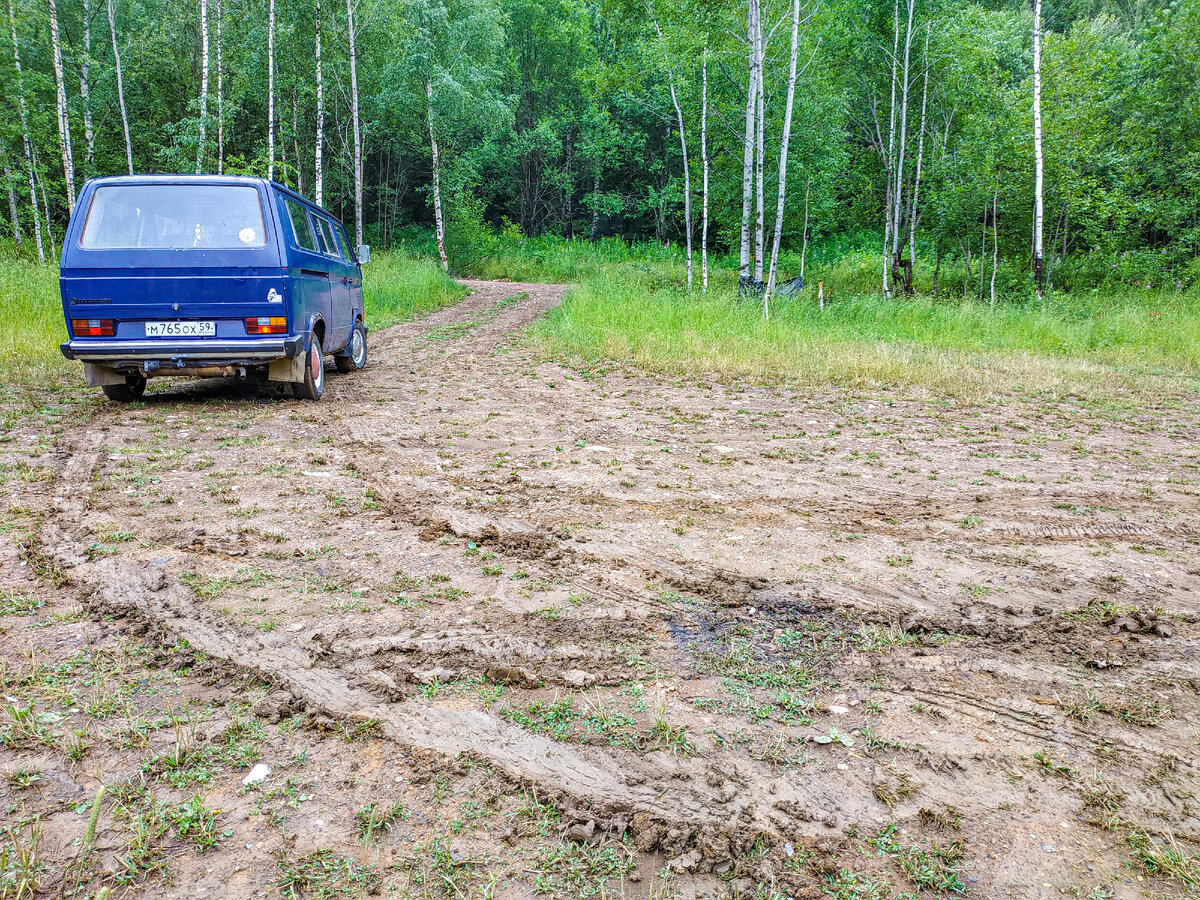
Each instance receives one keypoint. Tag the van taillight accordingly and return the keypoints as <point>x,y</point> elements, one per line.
<point>92,327</point>
<point>266,325</point>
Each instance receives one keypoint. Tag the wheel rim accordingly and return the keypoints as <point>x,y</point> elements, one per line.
<point>358,348</point>
<point>318,366</point>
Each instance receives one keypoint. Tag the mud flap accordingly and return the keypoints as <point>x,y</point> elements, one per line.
<point>96,375</point>
<point>289,370</point>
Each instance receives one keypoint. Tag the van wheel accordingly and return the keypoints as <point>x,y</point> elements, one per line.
<point>313,385</point>
<point>356,351</point>
<point>131,390</point>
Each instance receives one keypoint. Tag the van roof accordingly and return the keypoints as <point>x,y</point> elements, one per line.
<point>208,179</point>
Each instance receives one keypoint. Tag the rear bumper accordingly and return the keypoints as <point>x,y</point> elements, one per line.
<point>205,351</point>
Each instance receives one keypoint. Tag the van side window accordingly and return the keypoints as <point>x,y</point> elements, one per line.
<point>327,238</point>
<point>301,227</point>
<point>347,250</point>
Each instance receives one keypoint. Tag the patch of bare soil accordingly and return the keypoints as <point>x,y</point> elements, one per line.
<point>503,628</point>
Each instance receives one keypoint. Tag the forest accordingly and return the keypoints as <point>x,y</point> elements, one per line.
<point>902,131</point>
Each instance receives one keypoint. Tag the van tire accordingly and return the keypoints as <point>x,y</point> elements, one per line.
<point>133,389</point>
<point>356,351</point>
<point>313,385</point>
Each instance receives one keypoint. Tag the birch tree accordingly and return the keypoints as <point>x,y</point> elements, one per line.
<point>898,190</point>
<point>439,222</point>
<point>783,156</point>
<point>759,149</point>
<point>916,193</point>
<point>271,88</point>
<point>319,148</point>
<point>889,161</point>
<point>25,138</point>
<point>358,171</point>
<point>1038,164</point>
<point>752,25</point>
<point>64,119</point>
<point>687,176</point>
<point>85,92</point>
<point>112,31</point>
<point>220,97</point>
<point>203,86</point>
<point>705,165</point>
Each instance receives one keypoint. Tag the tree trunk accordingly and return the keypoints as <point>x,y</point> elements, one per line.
<point>890,162</point>
<point>296,140</point>
<point>220,96</point>
<point>318,162</point>
<point>358,173</point>
<point>12,198</point>
<point>437,186</point>
<point>937,265</point>
<point>748,148</point>
<point>783,155</point>
<point>28,143</point>
<point>64,119</point>
<point>916,194</point>
<point>704,163</point>
<point>112,30</point>
<point>804,237</point>
<point>760,147</point>
<point>271,89</point>
<point>595,207</point>
<point>46,211</point>
<point>1037,146</point>
<point>203,86</point>
<point>898,198</point>
<point>85,92</point>
<point>687,172</point>
<point>995,242</point>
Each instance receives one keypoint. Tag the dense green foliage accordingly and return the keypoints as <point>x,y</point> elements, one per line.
<point>553,116</point>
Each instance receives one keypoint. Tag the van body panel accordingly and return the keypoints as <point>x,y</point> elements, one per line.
<point>162,251</point>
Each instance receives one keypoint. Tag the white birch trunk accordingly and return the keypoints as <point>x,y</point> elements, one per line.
<point>112,31</point>
<point>912,218</point>
<point>748,149</point>
<point>12,199</point>
<point>64,119</point>
<point>995,242</point>
<point>704,163</point>
<point>889,162</point>
<point>46,211</point>
<point>28,143</point>
<point>760,149</point>
<point>271,89</point>
<point>437,185</point>
<point>318,162</point>
<point>1038,162</point>
<point>687,174</point>
<point>85,92</point>
<point>203,86</point>
<point>898,194</point>
<point>783,156</point>
<point>220,97</point>
<point>595,207</point>
<point>358,177</point>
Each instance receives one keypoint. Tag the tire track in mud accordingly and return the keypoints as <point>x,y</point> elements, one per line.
<point>691,797</point>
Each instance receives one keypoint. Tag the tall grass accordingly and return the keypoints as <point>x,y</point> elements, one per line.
<point>636,308</point>
<point>398,286</point>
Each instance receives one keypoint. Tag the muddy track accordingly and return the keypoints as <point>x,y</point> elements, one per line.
<point>651,531</point>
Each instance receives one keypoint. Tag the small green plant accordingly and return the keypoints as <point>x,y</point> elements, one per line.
<point>374,817</point>
<point>325,874</point>
<point>934,866</point>
<point>581,870</point>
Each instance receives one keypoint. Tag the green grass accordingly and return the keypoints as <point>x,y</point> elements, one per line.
<point>1091,345</point>
<point>398,286</point>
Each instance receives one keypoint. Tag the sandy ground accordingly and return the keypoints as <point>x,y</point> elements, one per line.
<point>505,628</point>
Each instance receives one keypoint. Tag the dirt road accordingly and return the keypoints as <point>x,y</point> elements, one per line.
<point>721,639</point>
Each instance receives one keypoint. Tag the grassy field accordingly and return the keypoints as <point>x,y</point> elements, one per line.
<point>632,305</point>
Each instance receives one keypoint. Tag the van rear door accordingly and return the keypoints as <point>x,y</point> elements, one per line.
<point>164,259</point>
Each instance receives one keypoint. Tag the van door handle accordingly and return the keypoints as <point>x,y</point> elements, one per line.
<point>316,272</point>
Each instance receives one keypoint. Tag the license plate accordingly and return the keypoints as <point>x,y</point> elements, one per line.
<point>181,329</point>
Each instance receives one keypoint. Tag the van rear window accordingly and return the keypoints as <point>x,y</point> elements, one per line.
<point>174,217</point>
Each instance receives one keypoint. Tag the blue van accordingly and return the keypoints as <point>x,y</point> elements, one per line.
<point>207,275</point>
